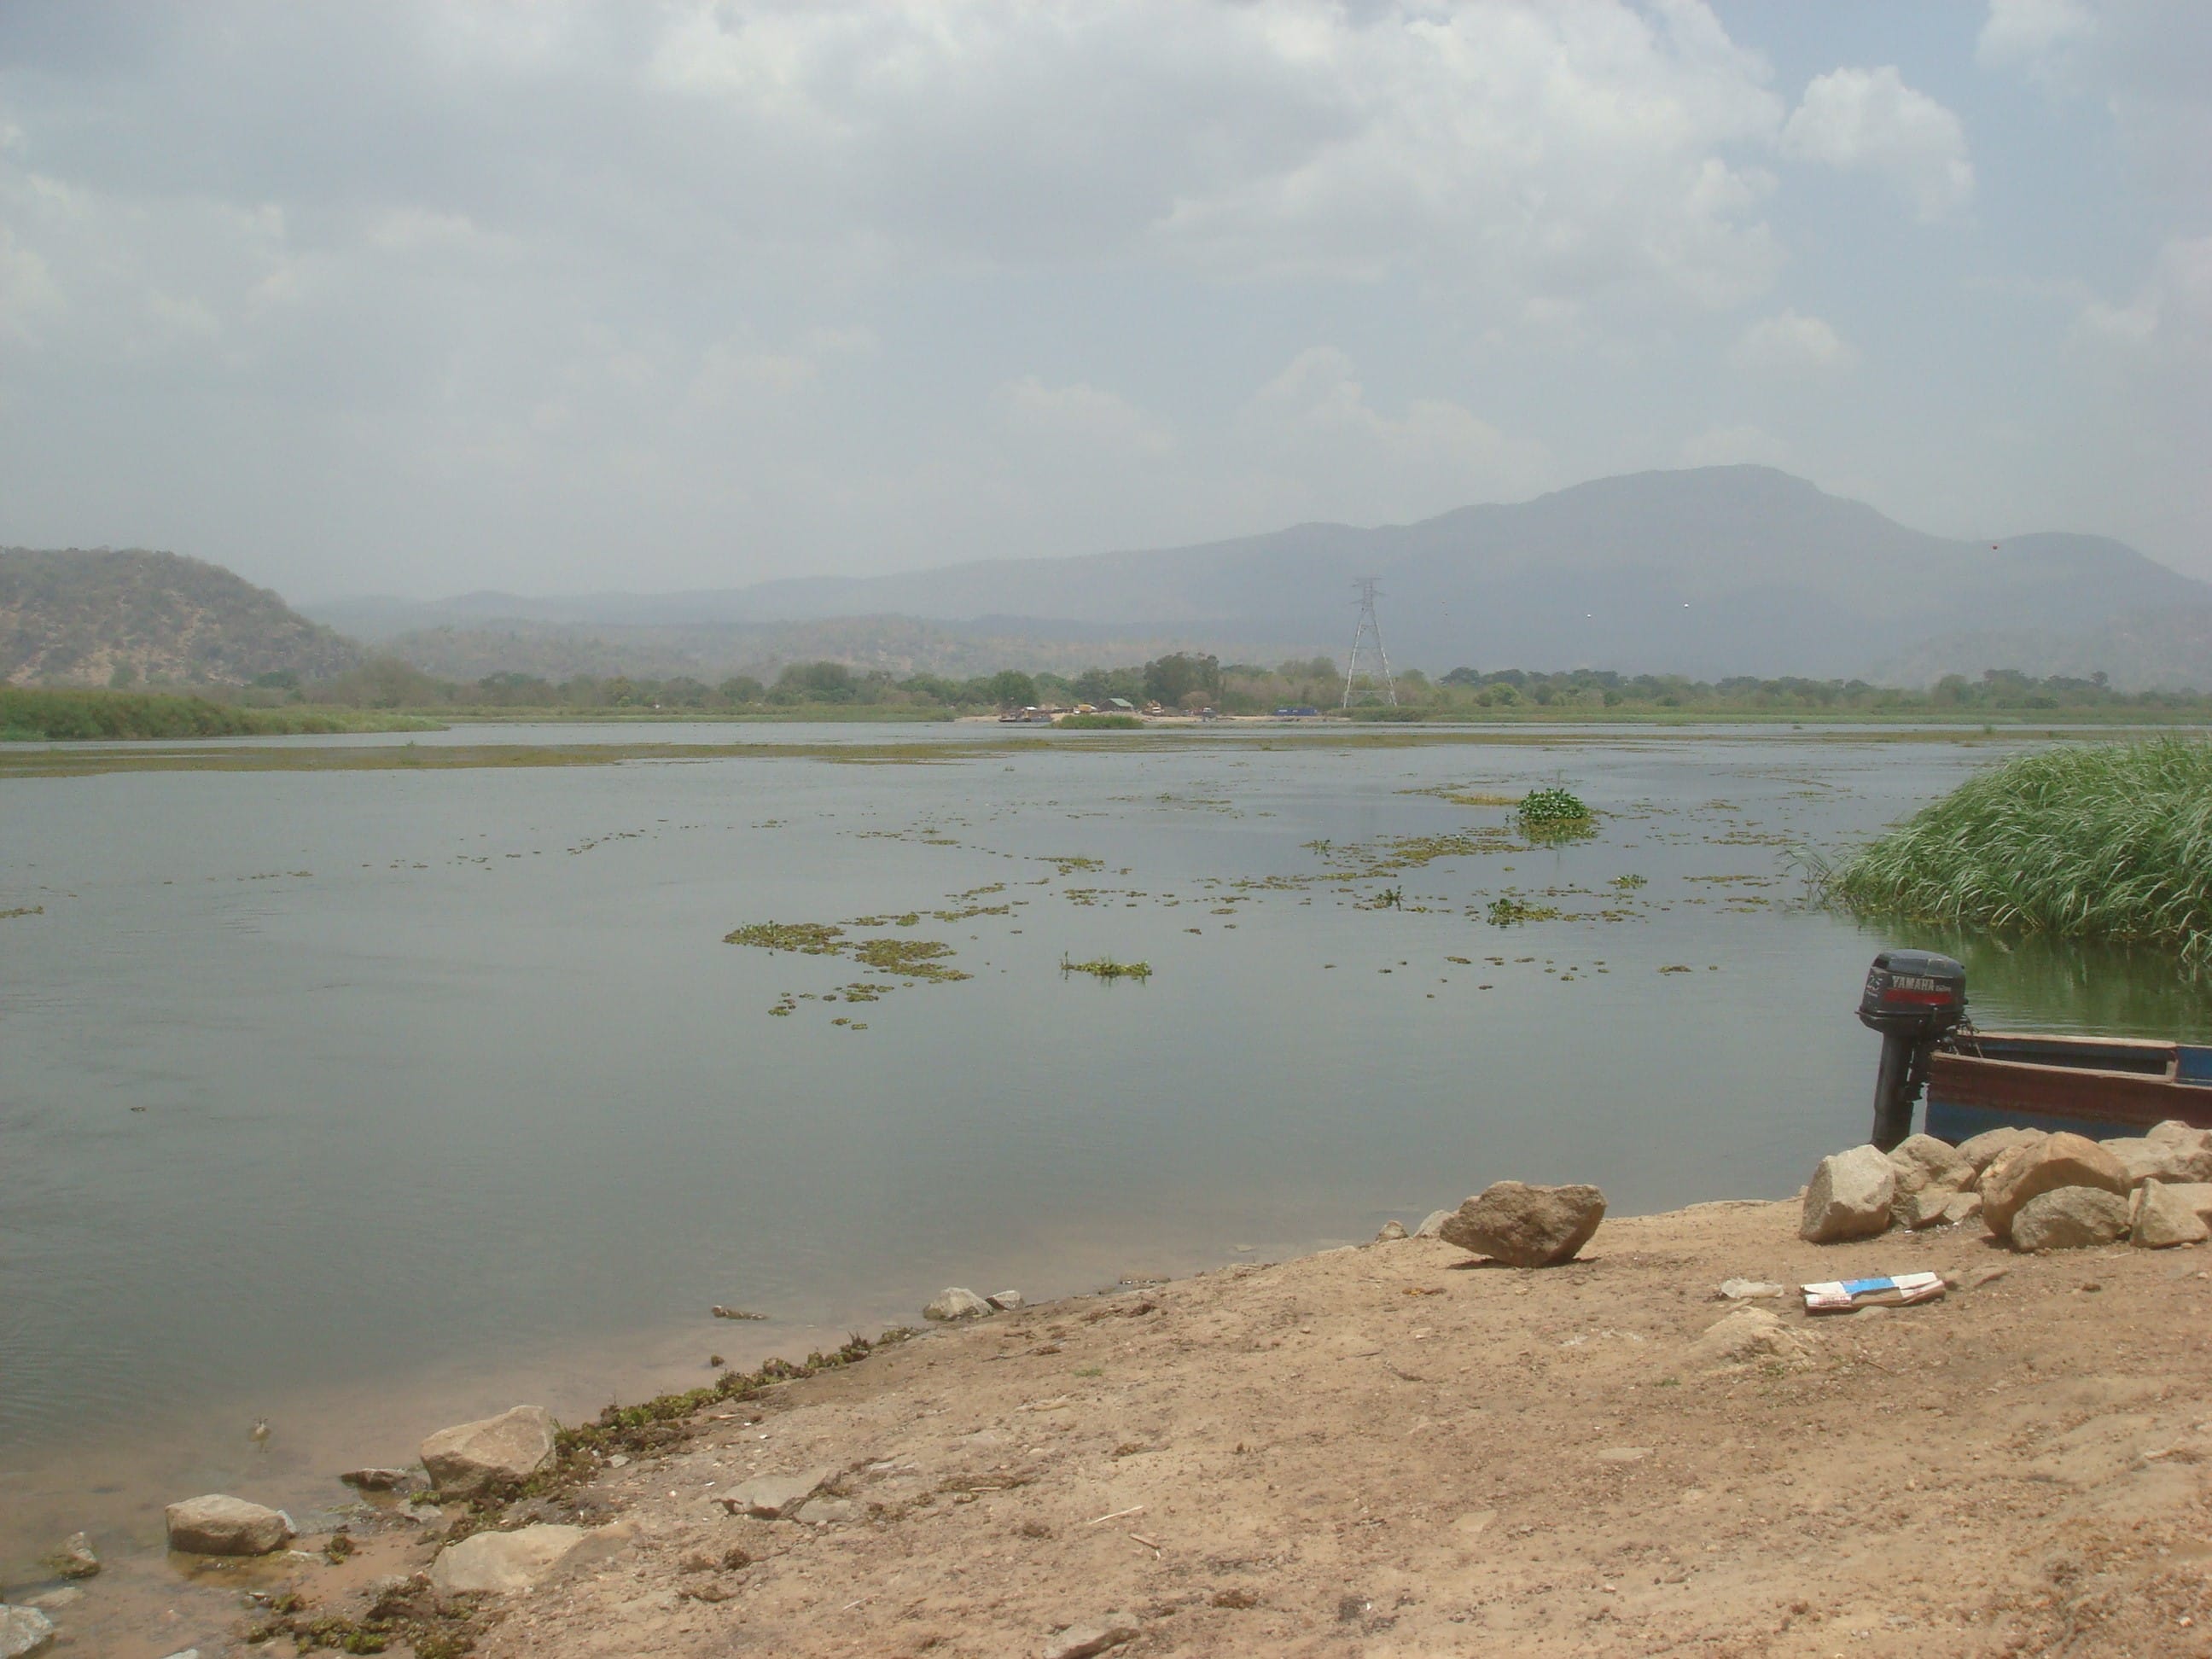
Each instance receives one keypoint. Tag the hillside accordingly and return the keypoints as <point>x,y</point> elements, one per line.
<point>106,617</point>
<point>2163,650</point>
<point>1711,572</point>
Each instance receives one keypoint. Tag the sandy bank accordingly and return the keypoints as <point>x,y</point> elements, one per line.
<point>1395,1450</point>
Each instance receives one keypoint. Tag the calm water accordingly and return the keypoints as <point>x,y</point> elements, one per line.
<point>369,1102</point>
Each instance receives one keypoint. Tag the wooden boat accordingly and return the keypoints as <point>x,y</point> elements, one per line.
<point>2095,1086</point>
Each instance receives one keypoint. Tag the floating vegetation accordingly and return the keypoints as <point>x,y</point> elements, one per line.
<point>1505,912</point>
<point>2111,842</point>
<point>813,939</point>
<point>1554,806</point>
<point>23,910</point>
<point>1627,884</point>
<point>1069,866</point>
<point>1099,723</point>
<point>1106,967</point>
<point>910,958</point>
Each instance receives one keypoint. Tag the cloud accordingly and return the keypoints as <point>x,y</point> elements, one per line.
<point>1081,415</point>
<point>1733,446</point>
<point>2167,326</point>
<point>1868,120</point>
<point>2031,35</point>
<point>1790,344</point>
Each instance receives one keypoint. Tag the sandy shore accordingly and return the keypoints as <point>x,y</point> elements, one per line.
<point>1393,1450</point>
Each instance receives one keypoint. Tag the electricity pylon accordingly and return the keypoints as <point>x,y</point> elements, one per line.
<point>1368,626</point>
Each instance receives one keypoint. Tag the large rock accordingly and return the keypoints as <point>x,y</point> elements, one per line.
<point>24,1631</point>
<point>954,1303</point>
<point>772,1496</point>
<point>1987,1147</point>
<point>1930,1206</point>
<point>1526,1226</point>
<point>1849,1197</point>
<point>2172,1152</point>
<point>2069,1218</point>
<point>2032,1168</point>
<point>1433,1226</point>
<point>1922,1161</point>
<point>474,1457</point>
<point>503,1561</point>
<point>2161,1216</point>
<point>217,1525</point>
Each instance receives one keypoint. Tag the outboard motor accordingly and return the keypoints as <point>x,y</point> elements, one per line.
<point>1915,998</point>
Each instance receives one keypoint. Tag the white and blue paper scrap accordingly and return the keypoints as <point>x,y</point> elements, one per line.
<point>1846,1294</point>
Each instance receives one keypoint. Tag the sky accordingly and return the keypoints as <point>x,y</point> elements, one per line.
<point>428,296</point>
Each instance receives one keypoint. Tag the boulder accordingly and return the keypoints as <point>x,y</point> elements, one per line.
<point>2161,1216</point>
<point>1987,1147</point>
<point>1526,1226</point>
<point>1007,1301</point>
<point>1929,1208</point>
<point>1922,1161</point>
<point>24,1631</point>
<point>1434,1226</point>
<point>2032,1168</point>
<point>216,1525</point>
<point>2069,1218</point>
<point>1962,1206</point>
<point>503,1561</point>
<point>772,1496</point>
<point>75,1559</point>
<point>1745,1334</point>
<point>1849,1197</point>
<point>378,1480</point>
<point>2172,1157</point>
<point>471,1458</point>
<point>955,1303</point>
<point>1392,1232</point>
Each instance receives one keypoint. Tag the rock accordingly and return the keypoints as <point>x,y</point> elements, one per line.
<point>2159,1219</point>
<point>1007,1301</point>
<point>1434,1226</point>
<point>2182,1155</point>
<point>1087,1641</point>
<point>2069,1218</point>
<point>2033,1168</point>
<point>1392,1232</point>
<point>1849,1197</point>
<point>503,1561</point>
<point>1929,1208</point>
<point>473,1457</point>
<point>1922,1161</point>
<point>772,1496</point>
<point>822,1510</point>
<point>1748,1290</point>
<point>954,1303</point>
<point>1526,1226</point>
<point>25,1630</point>
<point>2197,1194</point>
<point>75,1559</point>
<point>189,1653</point>
<point>54,1600</point>
<point>1747,1333</point>
<point>216,1525</point>
<point>374,1479</point>
<point>1961,1206</point>
<point>1987,1147</point>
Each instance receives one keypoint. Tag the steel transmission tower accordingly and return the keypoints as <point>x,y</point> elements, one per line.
<point>1368,628</point>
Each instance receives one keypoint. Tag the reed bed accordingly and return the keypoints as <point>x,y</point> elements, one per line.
<point>2104,841</point>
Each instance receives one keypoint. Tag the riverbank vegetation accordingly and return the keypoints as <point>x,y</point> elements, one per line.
<point>2109,841</point>
<point>35,714</point>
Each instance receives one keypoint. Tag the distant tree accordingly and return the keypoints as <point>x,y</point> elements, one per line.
<point>1171,679</point>
<point>1011,688</point>
<point>817,682</point>
<point>740,688</point>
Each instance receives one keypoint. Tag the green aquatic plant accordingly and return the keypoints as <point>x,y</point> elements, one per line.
<point>911,958</point>
<point>1106,967</point>
<point>814,938</point>
<point>1099,723</point>
<point>1506,911</point>
<point>1554,806</point>
<point>2105,842</point>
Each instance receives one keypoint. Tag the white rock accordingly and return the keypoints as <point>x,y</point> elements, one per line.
<point>1749,1290</point>
<point>2161,1217</point>
<point>503,1561</point>
<point>1987,1147</point>
<point>2180,1155</point>
<point>1007,1301</point>
<point>772,1496</point>
<point>1392,1232</point>
<point>1747,1333</point>
<point>1434,1226</point>
<point>1088,1641</point>
<point>472,1457</point>
<point>24,1631</point>
<point>218,1525</point>
<point>2069,1218</point>
<point>954,1303</point>
<point>1922,1161</point>
<point>1849,1197</point>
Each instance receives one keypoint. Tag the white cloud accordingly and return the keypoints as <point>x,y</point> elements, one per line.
<point>2167,326</point>
<point>1081,415</point>
<point>1790,344</point>
<point>2031,35</point>
<point>1869,120</point>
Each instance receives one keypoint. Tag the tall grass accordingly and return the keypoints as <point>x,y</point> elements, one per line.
<point>2110,841</point>
<point>34,715</point>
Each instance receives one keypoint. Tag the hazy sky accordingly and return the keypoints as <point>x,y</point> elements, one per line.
<point>417,298</point>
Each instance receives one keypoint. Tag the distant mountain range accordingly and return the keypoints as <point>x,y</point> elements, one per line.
<point>1719,571</point>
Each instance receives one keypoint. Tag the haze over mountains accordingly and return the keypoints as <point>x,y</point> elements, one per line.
<point>1710,572</point>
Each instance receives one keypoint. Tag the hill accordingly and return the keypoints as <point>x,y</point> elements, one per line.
<point>1710,572</point>
<point>108,617</point>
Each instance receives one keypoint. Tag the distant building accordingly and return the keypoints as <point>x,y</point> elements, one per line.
<point>1297,712</point>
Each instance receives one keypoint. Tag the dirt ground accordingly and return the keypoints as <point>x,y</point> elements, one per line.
<point>1395,1450</point>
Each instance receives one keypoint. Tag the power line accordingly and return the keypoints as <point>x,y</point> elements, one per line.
<point>1368,626</point>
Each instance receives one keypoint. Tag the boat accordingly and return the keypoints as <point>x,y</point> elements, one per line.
<point>2098,1087</point>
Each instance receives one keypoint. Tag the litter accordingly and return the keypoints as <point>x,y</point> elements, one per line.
<point>1842,1296</point>
<point>1747,1290</point>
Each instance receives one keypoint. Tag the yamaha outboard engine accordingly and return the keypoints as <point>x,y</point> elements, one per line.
<point>1915,998</point>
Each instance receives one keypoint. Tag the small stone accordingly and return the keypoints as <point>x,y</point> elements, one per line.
<point>2058,1161</point>
<point>1960,1207</point>
<point>2158,1219</point>
<point>1526,1226</point>
<point>54,1600</point>
<point>1392,1232</point>
<point>375,1480</point>
<point>619,1461</point>
<point>772,1496</point>
<point>1929,1208</point>
<point>75,1559</point>
<point>1007,1301</point>
<point>1750,1290</point>
<point>822,1510</point>
<point>1087,1641</point>
<point>1747,1333</point>
<point>503,1561</point>
<point>1434,1226</point>
<point>1987,1147</point>
<point>23,1631</point>
<point>189,1653</point>
<point>955,1303</point>
<point>218,1525</point>
<point>471,1458</point>
<point>1849,1197</point>
<point>2069,1218</point>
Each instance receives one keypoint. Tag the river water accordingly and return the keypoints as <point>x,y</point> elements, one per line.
<point>365,1101</point>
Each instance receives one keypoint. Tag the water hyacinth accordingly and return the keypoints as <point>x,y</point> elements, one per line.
<point>2111,841</point>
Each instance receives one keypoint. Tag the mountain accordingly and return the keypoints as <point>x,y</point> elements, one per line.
<point>1710,572</point>
<point>2168,650</point>
<point>105,616</point>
